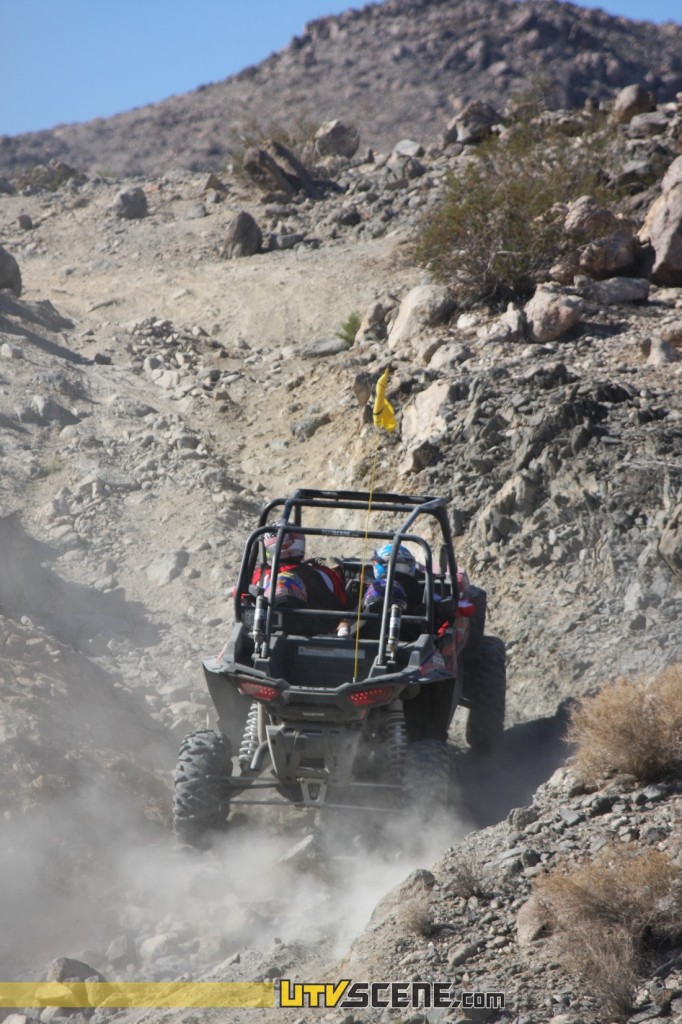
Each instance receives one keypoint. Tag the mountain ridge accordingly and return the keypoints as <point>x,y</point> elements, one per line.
<point>421,58</point>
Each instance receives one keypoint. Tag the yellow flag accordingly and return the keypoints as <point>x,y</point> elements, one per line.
<point>383,415</point>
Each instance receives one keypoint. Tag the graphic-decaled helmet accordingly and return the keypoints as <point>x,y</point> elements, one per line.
<point>293,544</point>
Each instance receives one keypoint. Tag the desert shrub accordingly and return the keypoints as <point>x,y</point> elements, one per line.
<point>467,876</point>
<point>500,226</point>
<point>45,178</point>
<point>349,328</point>
<point>608,914</point>
<point>633,727</point>
<point>416,917</point>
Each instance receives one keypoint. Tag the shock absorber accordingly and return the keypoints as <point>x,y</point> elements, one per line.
<point>396,742</point>
<point>249,743</point>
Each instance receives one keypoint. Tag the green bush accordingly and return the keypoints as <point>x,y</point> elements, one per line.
<point>499,228</point>
<point>349,328</point>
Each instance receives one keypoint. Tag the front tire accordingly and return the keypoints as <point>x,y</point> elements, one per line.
<point>485,686</point>
<point>201,798</point>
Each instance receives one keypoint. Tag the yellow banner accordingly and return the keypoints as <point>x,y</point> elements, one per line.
<point>153,994</point>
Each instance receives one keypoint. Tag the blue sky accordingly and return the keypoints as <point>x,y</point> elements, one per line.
<point>71,60</point>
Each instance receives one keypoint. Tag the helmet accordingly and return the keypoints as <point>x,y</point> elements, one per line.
<point>376,593</point>
<point>405,561</point>
<point>293,544</point>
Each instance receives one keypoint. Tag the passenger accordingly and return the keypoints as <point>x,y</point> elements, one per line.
<point>301,582</point>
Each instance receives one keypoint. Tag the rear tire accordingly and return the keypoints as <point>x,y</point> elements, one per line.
<point>485,687</point>
<point>201,799</point>
<point>426,775</point>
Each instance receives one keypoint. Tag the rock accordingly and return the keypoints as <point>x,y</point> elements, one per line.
<point>10,275</point>
<point>408,147</point>
<point>424,417</point>
<point>121,951</point>
<point>472,125</point>
<point>424,306</point>
<point>404,168</point>
<point>461,953</point>
<point>374,324</point>
<point>586,218</point>
<point>307,426</point>
<point>334,138</point>
<point>325,347</point>
<point>617,290</point>
<point>418,458</point>
<point>49,411</point>
<point>67,969</point>
<point>670,544</point>
<point>305,854</point>
<point>613,254</point>
<point>25,222</point>
<point>448,355</point>
<point>630,101</point>
<point>661,352</point>
<point>643,125</point>
<point>509,327</point>
<point>9,351</point>
<point>244,237</point>
<point>532,922</point>
<point>551,314</point>
<point>167,567</point>
<point>286,241</point>
<point>662,229</point>
<point>130,204</point>
<point>157,945</point>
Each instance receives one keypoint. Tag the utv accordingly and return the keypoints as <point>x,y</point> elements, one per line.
<point>343,721</point>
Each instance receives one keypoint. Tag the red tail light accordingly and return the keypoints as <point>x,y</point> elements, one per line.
<point>367,698</point>
<point>259,691</point>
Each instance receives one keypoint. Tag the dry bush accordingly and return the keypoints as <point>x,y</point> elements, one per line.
<point>607,914</point>
<point>632,727</point>
<point>416,917</point>
<point>467,878</point>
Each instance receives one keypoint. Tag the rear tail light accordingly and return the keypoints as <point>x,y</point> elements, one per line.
<point>368,698</point>
<point>466,609</point>
<point>259,691</point>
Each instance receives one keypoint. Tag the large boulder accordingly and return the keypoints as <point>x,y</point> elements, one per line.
<point>630,101</point>
<point>586,218</point>
<point>551,314</point>
<point>472,124</point>
<point>10,275</point>
<point>613,254</point>
<point>130,204</point>
<point>423,307</point>
<point>334,138</point>
<point>662,229</point>
<point>425,416</point>
<point>244,237</point>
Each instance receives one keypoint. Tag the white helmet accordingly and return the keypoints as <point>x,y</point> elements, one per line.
<point>293,544</point>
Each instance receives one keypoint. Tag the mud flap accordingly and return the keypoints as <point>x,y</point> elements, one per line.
<point>231,705</point>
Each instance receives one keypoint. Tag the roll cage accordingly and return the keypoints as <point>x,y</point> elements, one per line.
<point>411,507</point>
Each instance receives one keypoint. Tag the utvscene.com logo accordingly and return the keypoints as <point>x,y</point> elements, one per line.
<point>358,995</point>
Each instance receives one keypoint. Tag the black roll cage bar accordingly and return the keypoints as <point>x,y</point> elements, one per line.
<point>413,506</point>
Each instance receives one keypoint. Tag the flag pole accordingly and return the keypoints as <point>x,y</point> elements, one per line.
<point>383,418</point>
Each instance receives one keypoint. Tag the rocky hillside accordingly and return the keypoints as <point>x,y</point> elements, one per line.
<point>424,58</point>
<point>169,357</point>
